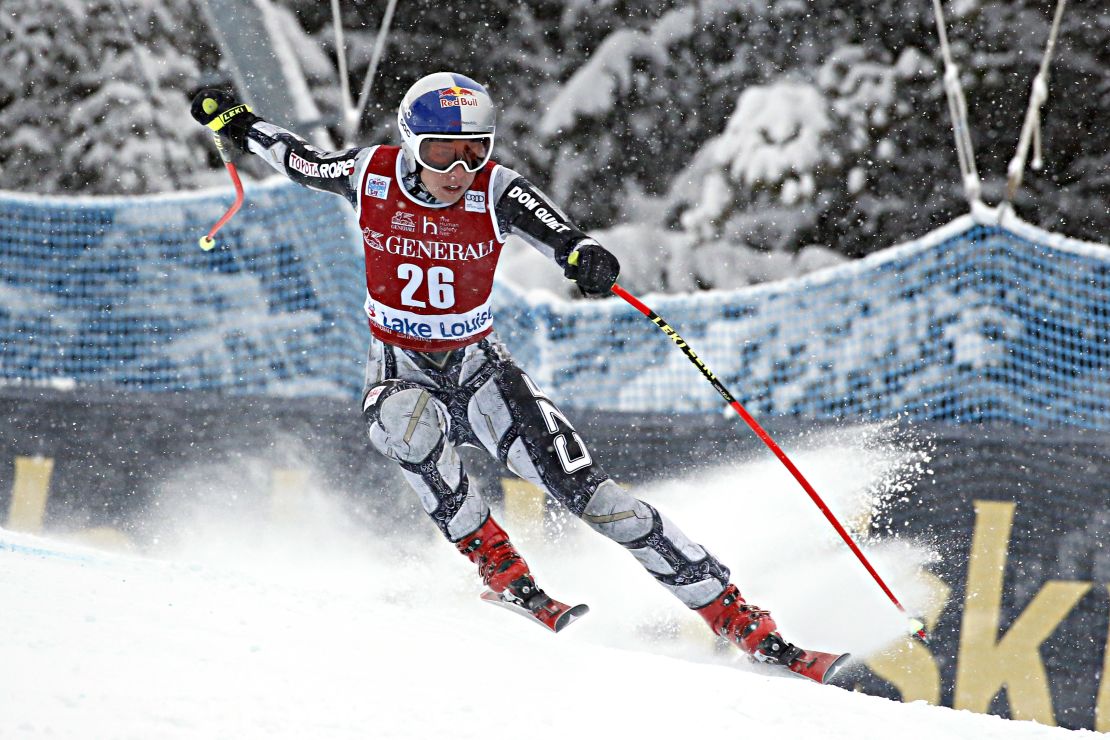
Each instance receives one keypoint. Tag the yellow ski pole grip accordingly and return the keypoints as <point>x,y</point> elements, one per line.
<point>209,106</point>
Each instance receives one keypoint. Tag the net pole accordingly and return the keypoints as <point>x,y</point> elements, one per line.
<point>1030,129</point>
<point>372,70</point>
<point>957,111</point>
<point>349,115</point>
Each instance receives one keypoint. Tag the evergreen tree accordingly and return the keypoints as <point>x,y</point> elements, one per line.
<point>95,98</point>
<point>618,107</point>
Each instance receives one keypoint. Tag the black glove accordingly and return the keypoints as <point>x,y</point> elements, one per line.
<point>593,267</point>
<point>221,112</point>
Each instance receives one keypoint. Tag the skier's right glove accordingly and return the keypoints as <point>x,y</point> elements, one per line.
<point>592,267</point>
<point>226,116</point>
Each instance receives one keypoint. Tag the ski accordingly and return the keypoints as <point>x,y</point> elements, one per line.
<point>552,614</point>
<point>817,666</point>
<point>811,664</point>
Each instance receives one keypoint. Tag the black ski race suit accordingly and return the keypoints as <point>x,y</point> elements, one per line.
<point>419,406</point>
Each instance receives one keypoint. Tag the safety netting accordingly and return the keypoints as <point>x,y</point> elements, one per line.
<point>984,319</point>
<point>116,292</point>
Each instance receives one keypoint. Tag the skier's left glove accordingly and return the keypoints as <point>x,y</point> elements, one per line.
<point>226,116</point>
<point>593,267</point>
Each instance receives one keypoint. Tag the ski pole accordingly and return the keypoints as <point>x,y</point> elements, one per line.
<point>916,626</point>
<point>208,241</point>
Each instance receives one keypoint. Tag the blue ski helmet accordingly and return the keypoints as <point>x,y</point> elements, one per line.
<point>450,105</point>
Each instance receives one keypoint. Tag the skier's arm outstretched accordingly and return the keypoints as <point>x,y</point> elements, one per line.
<point>521,208</point>
<point>332,172</point>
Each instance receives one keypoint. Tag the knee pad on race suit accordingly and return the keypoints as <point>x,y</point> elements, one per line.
<point>681,565</point>
<point>404,420</point>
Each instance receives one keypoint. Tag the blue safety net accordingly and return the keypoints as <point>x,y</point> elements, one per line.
<point>985,319</point>
<point>116,292</point>
<point>978,321</point>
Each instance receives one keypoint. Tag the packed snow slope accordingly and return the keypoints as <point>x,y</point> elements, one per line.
<point>241,624</point>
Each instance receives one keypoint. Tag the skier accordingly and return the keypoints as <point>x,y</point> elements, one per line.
<point>434,213</point>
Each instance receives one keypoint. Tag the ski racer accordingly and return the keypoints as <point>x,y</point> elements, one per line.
<point>434,214</point>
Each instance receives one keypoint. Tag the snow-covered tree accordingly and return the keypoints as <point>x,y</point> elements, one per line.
<point>888,170</point>
<point>95,98</point>
<point>766,126</point>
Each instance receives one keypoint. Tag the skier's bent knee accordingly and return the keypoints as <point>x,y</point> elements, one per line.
<point>617,515</point>
<point>405,421</point>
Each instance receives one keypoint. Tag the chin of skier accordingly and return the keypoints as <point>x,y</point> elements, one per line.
<point>434,214</point>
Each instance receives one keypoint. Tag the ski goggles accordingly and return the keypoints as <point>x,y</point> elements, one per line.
<point>440,153</point>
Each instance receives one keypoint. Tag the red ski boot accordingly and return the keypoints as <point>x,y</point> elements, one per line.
<point>510,584</point>
<point>753,630</point>
<point>499,564</point>
<point>739,622</point>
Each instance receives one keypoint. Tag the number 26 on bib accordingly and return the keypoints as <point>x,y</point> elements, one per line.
<point>434,287</point>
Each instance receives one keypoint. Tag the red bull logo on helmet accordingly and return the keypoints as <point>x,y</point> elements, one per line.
<point>457,97</point>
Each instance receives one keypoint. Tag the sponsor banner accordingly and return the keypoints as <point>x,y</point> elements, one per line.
<point>438,326</point>
<point>475,201</point>
<point>431,249</point>
<point>120,468</point>
<point>403,221</point>
<point>377,186</point>
<point>1021,520</point>
<point>537,207</point>
<point>457,97</point>
<point>328,169</point>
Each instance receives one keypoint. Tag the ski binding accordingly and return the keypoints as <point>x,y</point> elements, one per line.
<point>541,609</point>
<point>818,666</point>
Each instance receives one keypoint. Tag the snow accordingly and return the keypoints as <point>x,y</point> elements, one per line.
<point>864,90</point>
<point>595,87</point>
<point>775,140</point>
<point>298,624</point>
<point>775,131</point>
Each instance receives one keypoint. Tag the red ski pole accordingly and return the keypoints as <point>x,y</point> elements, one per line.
<point>208,240</point>
<point>916,626</point>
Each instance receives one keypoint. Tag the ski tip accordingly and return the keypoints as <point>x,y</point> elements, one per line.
<point>570,615</point>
